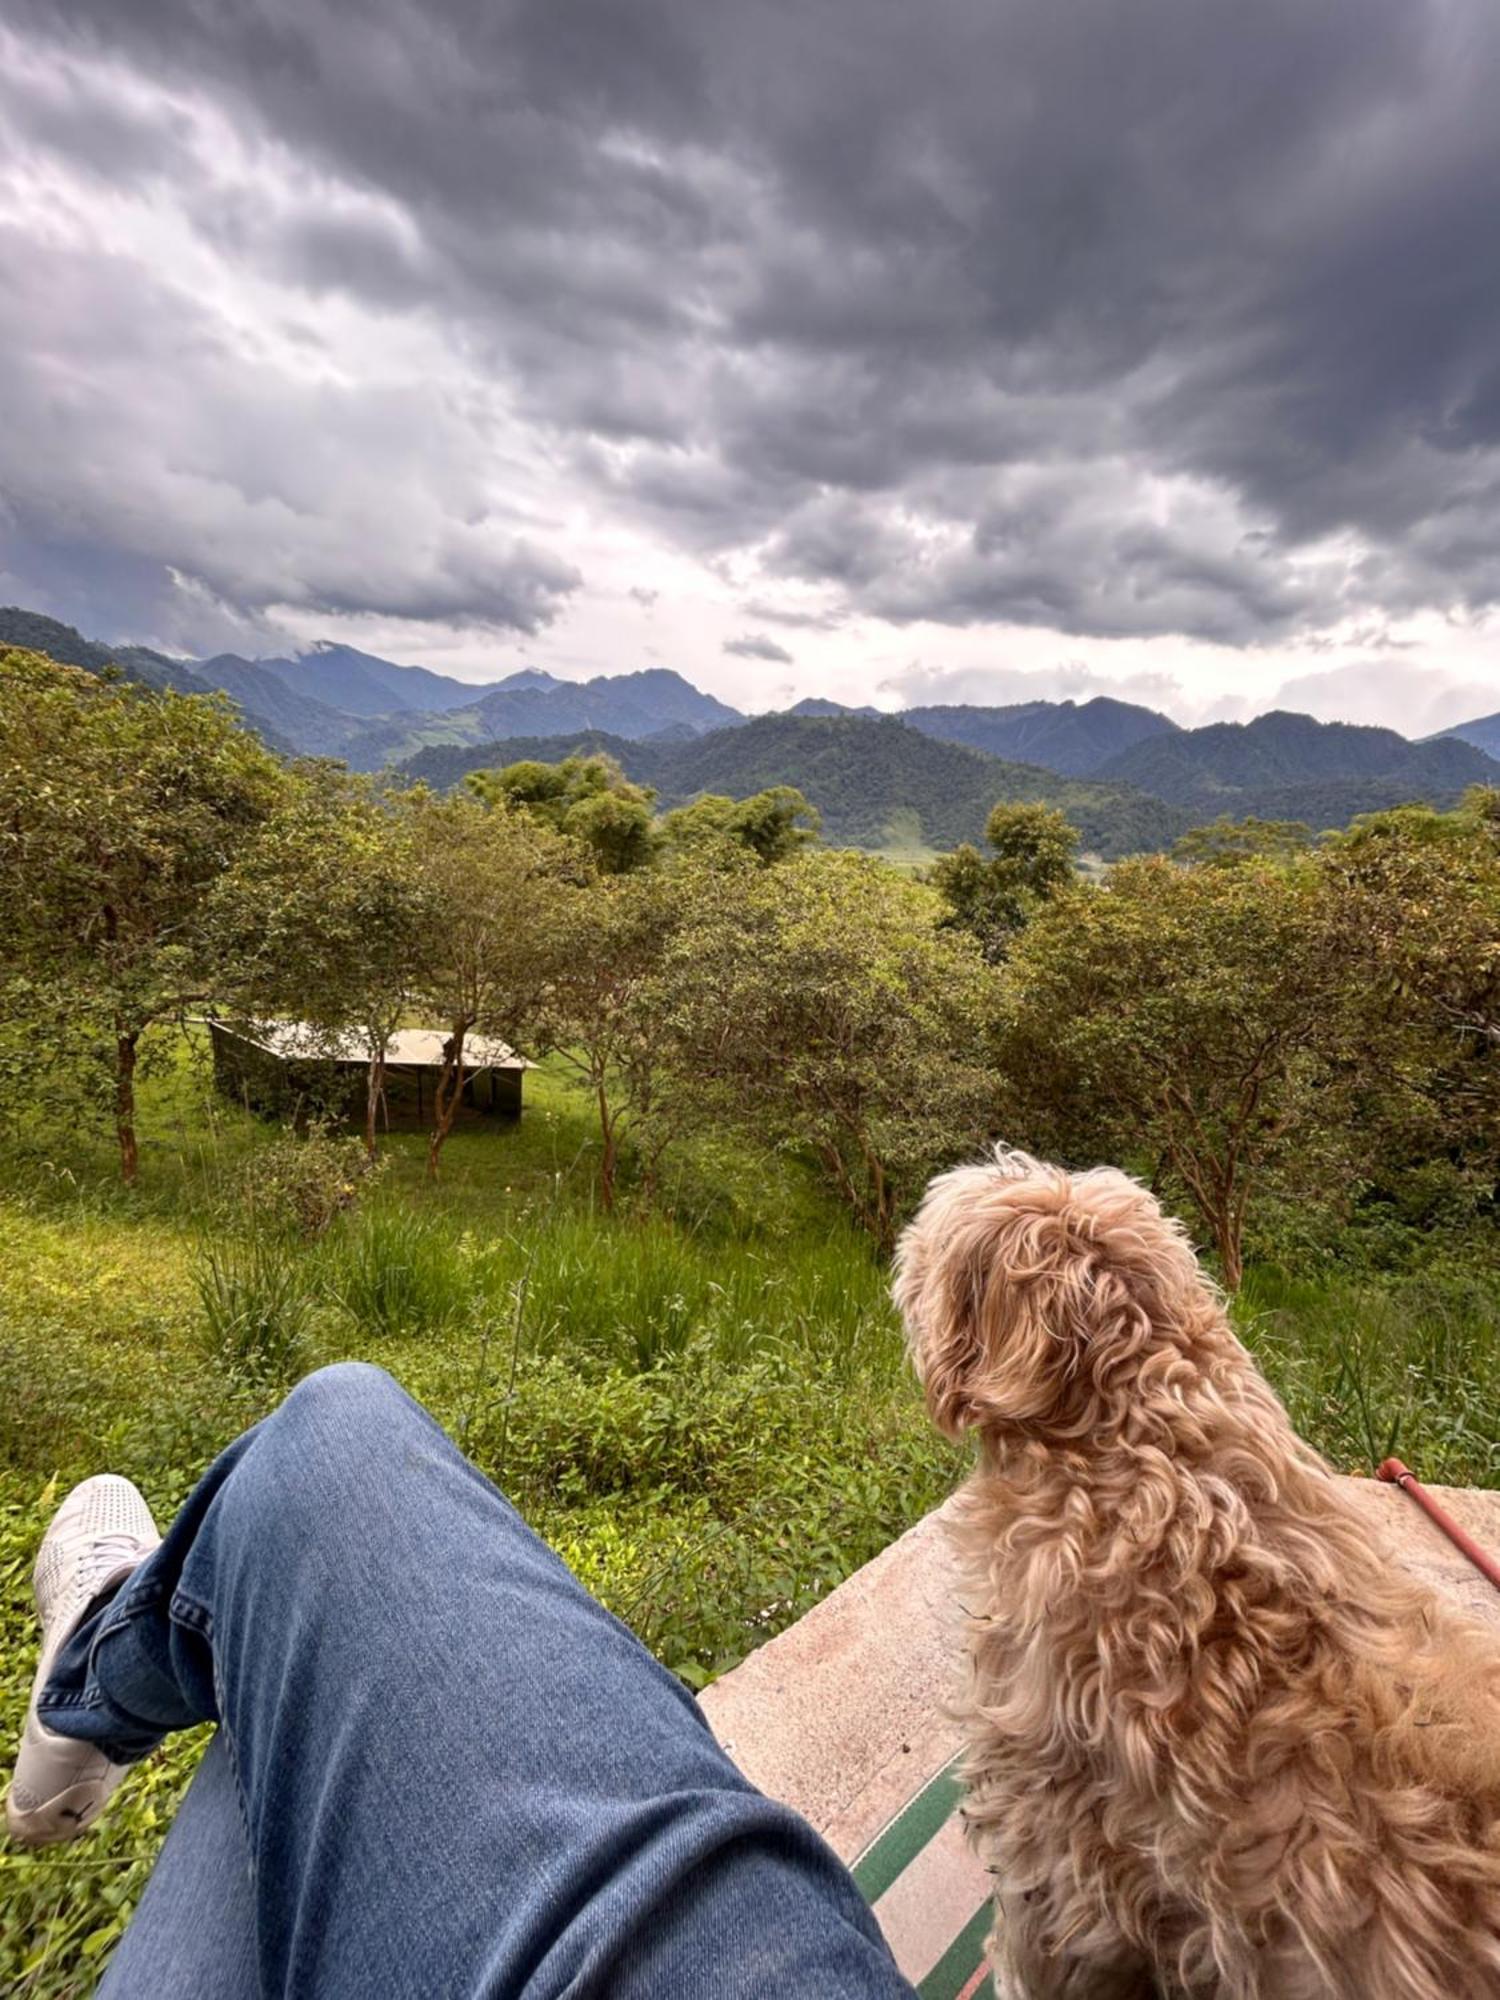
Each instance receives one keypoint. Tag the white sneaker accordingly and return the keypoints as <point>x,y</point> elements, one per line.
<point>100,1533</point>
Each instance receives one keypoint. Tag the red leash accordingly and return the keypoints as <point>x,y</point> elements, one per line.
<point>1396,1474</point>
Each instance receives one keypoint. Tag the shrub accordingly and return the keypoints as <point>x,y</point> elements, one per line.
<point>299,1184</point>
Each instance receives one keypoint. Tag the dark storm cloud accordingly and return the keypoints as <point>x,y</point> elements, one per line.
<point>1178,316</point>
<point>755,646</point>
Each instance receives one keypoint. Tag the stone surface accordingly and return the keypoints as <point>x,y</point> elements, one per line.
<point>844,1715</point>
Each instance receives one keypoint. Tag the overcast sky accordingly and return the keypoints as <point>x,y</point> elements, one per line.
<point>960,350</point>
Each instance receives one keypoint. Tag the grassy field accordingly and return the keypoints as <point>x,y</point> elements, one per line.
<point>706,1409</point>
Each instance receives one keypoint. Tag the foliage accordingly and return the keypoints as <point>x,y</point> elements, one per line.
<point>1291,767</point>
<point>601,1008</point>
<point>107,867</point>
<point>773,824</point>
<point>256,1308</point>
<point>298,1183</point>
<point>396,1274</point>
<point>588,798</point>
<point>324,916</point>
<point>1224,841</point>
<point>1031,859</point>
<point>861,773</point>
<point>1202,1019</point>
<point>1370,1366</point>
<point>488,875</point>
<point>821,1005</point>
<point>1421,909</point>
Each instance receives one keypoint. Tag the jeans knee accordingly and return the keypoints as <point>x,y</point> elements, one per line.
<point>334,1432</point>
<point>343,1392</point>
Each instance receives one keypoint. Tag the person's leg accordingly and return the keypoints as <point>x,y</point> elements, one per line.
<point>458,1773</point>
<point>194,1931</point>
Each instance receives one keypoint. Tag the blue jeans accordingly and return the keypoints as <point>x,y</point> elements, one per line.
<point>441,1768</point>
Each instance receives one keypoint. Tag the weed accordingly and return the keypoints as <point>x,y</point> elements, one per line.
<point>256,1305</point>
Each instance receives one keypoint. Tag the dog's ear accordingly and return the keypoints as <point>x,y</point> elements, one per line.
<point>1030,1295</point>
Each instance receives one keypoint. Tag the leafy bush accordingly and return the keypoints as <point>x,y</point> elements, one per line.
<point>299,1184</point>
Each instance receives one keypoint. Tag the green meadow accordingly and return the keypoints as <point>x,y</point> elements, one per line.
<point>704,1407</point>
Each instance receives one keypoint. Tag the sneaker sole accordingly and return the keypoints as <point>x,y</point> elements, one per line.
<point>77,1808</point>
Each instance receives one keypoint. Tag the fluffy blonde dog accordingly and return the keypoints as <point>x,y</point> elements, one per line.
<point>1217,1746</point>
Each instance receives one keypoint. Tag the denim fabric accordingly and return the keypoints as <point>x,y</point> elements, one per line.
<point>441,1767</point>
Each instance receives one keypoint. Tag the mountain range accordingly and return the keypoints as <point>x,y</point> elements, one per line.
<point>1129,776</point>
<point>875,782</point>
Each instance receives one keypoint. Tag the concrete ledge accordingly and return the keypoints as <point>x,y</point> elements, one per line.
<point>843,1715</point>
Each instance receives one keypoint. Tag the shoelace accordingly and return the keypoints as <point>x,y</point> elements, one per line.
<point>105,1558</point>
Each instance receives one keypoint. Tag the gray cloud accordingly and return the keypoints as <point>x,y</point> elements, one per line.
<point>1177,318</point>
<point>755,646</point>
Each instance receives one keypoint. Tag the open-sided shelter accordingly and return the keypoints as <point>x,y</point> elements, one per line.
<point>289,1069</point>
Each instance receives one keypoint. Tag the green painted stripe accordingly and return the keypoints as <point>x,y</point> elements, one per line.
<point>960,1961</point>
<point>891,1853</point>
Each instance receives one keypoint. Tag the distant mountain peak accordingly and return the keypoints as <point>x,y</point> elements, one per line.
<point>523,677</point>
<point>1070,737</point>
<point>817,704</point>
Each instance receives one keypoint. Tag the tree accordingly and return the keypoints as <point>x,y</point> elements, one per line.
<point>1204,1018</point>
<point>324,917</point>
<point>120,809</point>
<point>1031,860</point>
<point>1420,893</point>
<point>1225,841</point>
<point>588,798</point>
<point>773,824</point>
<point>820,1006</point>
<point>489,876</point>
<point>1416,896</point>
<point>603,1011</point>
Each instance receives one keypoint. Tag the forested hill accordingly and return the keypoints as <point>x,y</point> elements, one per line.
<point>1483,732</point>
<point>1129,777</point>
<point>37,633</point>
<point>1069,736</point>
<point>1290,767</point>
<point>870,778</point>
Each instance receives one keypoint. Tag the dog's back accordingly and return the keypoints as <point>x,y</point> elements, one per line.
<point>1214,1735</point>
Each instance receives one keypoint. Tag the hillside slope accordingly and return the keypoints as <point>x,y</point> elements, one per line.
<point>362,684</point>
<point>274,709</point>
<point>1067,736</point>
<point>65,643</point>
<point>1291,766</point>
<point>866,776</point>
<point>1483,733</point>
<point>634,705</point>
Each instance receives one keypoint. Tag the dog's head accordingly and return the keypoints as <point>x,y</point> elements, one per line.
<point>1033,1296</point>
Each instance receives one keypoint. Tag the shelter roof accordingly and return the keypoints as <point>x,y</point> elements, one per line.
<point>408,1048</point>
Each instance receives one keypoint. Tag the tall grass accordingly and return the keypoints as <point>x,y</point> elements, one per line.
<point>1370,1367</point>
<point>256,1306</point>
<point>639,1295</point>
<point>397,1273</point>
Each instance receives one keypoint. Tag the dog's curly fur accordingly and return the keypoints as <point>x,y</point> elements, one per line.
<point>1218,1746</point>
